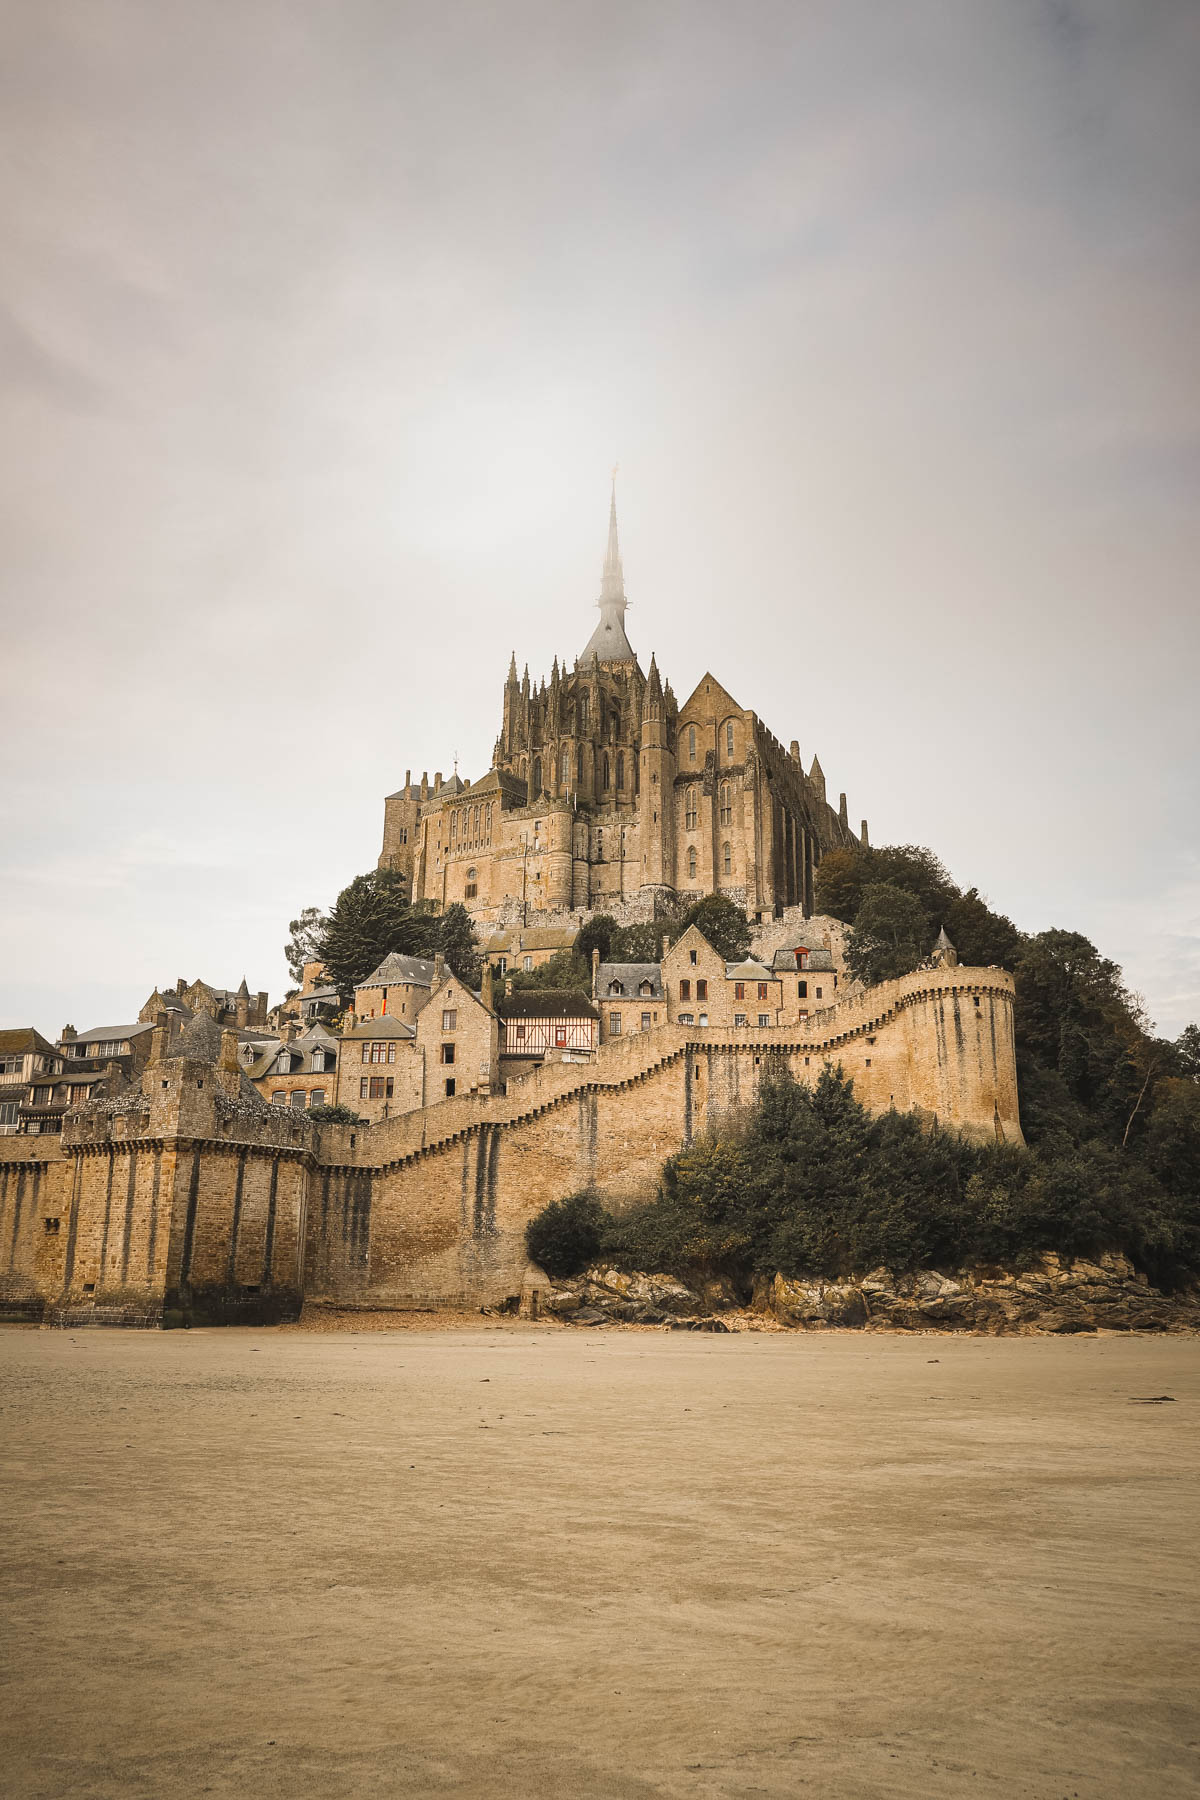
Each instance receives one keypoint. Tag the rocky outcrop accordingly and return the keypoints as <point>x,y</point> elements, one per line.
<point>1051,1295</point>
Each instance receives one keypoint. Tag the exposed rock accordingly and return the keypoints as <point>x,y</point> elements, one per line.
<point>1050,1295</point>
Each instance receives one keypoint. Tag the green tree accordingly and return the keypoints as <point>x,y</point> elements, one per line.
<point>597,934</point>
<point>458,944</point>
<point>840,879</point>
<point>565,969</point>
<point>304,937</point>
<point>566,1235</point>
<point>919,872</point>
<point>1076,1019</point>
<point>724,925</point>
<point>370,919</point>
<point>983,938</point>
<point>890,934</point>
<point>638,943</point>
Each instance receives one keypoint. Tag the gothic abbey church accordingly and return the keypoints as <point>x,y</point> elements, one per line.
<point>605,794</point>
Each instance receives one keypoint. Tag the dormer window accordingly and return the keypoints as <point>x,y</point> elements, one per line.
<point>614,987</point>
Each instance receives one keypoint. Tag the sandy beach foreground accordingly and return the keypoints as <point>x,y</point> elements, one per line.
<point>512,1560</point>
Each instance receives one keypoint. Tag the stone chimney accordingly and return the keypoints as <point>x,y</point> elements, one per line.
<point>486,986</point>
<point>437,780</point>
<point>666,945</point>
<point>68,1035</point>
<point>439,968</point>
<point>595,970</point>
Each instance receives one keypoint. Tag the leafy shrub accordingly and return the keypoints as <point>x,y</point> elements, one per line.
<point>566,1235</point>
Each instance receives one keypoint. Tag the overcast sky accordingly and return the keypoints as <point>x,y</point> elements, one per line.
<point>323,323</point>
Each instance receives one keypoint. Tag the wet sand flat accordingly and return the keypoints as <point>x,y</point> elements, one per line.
<point>523,1560</point>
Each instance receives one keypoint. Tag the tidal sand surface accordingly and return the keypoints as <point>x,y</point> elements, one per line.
<point>522,1560</point>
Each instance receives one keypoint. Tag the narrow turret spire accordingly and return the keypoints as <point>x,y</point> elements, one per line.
<point>608,642</point>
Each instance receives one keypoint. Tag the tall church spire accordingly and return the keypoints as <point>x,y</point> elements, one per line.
<point>608,641</point>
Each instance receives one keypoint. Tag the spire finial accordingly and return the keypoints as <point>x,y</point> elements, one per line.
<point>608,641</point>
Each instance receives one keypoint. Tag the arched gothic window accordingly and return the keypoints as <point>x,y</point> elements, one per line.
<point>475,823</point>
<point>583,712</point>
<point>579,766</point>
<point>729,740</point>
<point>689,810</point>
<point>537,777</point>
<point>488,825</point>
<point>726,859</point>
<point>453,824</point>
<point>564,767</point>
<point>726,805</point>
<point>607,771</point>
<point>691,743</point>
<point>692,863</point>
<point>620,768</point>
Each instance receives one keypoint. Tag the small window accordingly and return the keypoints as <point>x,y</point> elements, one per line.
<point>729,739</point>
<point>739,1019</point>
<point>689,810</point>
<point>560,1037</point>
<point>449,1087</point>
<point>692,954</point>
<point>686,1019</point>
<point>614,987</point>
<point>764,1018</point>
<point>868,1062</point>
<point>377,1087</point>
<point>726,859</point>
<point>762,990</point>
<point>317,1097</point>
<point>703,1020</point>
<point>450,1019</point>
<point>691,865</point>
<point>389,1087</point>
<point>363,1088</point>
<point>527,963</point>
<point>685,990</point>
<point>645,1021</point>
<point>691,743</point>
<point>818,993</point>
<point>802,990</point>
<point>470,890</point>
<point>447,1053</point>
<point>614,1024</point>
<point>726,805</point>
<point>520,1033</point>
<point>739,990</point>
<point>702,990</point>
<point>278,1098</point>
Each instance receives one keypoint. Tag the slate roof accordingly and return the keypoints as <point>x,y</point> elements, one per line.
<point>819,962</point>
<point>546,1003</point>
<point>747,970</point>
<point>107,1034</point>
<point>385,1027</point>
<point>631,976</point>
<point>398,970</point>
<point>500,781</point>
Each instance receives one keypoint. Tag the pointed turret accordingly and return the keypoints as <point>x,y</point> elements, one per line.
<point>608,642</point>
<point>817,776</point>
<point>512,670</point>
<point>945,956</point>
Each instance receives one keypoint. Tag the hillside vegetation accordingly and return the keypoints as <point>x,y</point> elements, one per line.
<point>807,1183</point>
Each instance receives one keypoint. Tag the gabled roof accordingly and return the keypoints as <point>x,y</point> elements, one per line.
<point>546,1003</point>
<point>499,781</point>
<point>784,961</point>
<point>538,937</point>
<point>108,1034</point>
<point>631,977</point>
<point>749,970</point>
<point>718,697</point>
<point>20,1038</point>
<point>385,1027</point>
<point>398,970</point>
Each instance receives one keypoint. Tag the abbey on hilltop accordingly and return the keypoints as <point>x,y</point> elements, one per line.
<point>606,794</point>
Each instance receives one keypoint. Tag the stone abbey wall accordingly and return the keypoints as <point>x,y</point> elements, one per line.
<point>189,1201</point>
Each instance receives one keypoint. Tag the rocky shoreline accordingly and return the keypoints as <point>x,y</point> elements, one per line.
<point>1051,1296</point>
